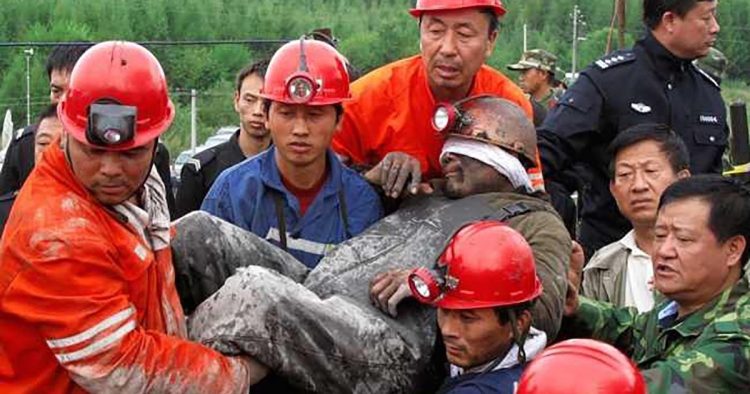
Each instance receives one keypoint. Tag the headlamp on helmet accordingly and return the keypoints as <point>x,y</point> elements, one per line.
<point>428,286</point>
<point>301,86</point>
<point>111,124</point>
<point>449,118</point>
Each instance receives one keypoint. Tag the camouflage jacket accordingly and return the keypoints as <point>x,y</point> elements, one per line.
<point>707,351</point>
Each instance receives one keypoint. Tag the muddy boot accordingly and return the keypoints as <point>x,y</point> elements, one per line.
<point>207,250</point>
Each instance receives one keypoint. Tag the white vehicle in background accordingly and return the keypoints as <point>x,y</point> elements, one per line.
<point>223,134</point>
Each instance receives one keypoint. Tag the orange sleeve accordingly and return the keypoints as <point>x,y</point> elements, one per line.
<point>77,298</point>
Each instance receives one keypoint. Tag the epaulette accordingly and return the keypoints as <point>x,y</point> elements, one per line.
<point>615,59</point>
<point>9,196</point>
<point>201,159</point>
<point>707,76</point>
<point>20,133</point>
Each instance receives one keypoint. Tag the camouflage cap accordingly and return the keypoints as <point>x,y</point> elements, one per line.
<point>715,63</point>
<point>536,58</point>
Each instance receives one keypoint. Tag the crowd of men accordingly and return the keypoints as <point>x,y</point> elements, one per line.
<point>410,231</point>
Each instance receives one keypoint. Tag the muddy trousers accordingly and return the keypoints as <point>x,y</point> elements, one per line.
<point>255,303</point>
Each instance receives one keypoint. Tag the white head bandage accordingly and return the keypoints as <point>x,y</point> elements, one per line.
<point>494,156</point>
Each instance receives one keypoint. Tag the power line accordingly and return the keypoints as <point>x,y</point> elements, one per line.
<point>249,41</point>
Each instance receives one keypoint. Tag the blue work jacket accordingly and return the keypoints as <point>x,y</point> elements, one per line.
<point>247,193</point>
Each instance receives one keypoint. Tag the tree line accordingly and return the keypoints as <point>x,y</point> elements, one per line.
<point>371,33</point>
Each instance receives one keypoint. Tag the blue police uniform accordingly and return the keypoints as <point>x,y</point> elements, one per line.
<point>251,195</point>
<point>645,84</point>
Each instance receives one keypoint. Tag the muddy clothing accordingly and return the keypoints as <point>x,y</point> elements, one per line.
<point>87,296</point>
<point>326,335</point>
<point>200,172</point>
<point>252,196</point>
<point>392,110</point>
<point>19,160</point>
<point>707,351</point>
<point>645,84</point>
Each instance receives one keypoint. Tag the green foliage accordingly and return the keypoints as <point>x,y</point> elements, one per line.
<point>371,32</point>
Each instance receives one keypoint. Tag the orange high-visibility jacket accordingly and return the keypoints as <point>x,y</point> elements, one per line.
<point>85,305</point>
<point>391,110</point>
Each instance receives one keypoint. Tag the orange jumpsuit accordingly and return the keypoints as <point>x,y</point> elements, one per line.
<point>392,110</point>
<point>87,305</point>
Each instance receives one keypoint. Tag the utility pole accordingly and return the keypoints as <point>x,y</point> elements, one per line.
<point>525,48</point>
<point>29,53</point>
<point>193,120</point>
<point>577,18</point>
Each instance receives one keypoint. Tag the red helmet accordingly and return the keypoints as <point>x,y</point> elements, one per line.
<point>308,72</point>
<point>117,97</point>
<point>607,370</point>
<point>486,264</point>
<point>444,5</point>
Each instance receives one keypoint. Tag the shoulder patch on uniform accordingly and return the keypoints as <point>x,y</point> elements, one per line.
<point>195,163</point>
<point>615,59</point>
<point>707,76</point>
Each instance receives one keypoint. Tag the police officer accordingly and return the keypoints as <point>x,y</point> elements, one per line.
<point>251,138</point>
<point>655,81</point>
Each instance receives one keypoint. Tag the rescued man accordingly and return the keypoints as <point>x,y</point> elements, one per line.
<point>325,334</point>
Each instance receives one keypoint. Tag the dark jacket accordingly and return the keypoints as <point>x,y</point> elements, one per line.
<point>200,172</point>
<point>645,84</point>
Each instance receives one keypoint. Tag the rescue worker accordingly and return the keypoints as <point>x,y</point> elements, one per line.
<point>653,82</point>
<point>297,194</point>
<point>252,138</point>
<point>19,159</point>
<point>698,339</point>
<point>326,335</point>
<point>537,79</point>
<point>646,159</point>
<point>558,370</point>
<point>87,296</point>
<point>48,128</point>
<point>483,312</point>
<point>386,129</point>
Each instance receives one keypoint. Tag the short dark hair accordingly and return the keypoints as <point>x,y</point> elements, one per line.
<point>669,142</point>
<point>64,57</point>
<point>653,10</point>
<point>49,111</point>
<point>728,200</point>
<point>493,19</point>
<point>338,107</point>
<point>258,67</point>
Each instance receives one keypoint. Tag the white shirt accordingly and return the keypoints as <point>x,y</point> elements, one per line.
<point>639,276</point>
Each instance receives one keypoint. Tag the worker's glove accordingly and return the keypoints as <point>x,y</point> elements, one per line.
<point>388,289</point>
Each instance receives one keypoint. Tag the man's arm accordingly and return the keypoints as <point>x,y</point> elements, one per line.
<point>79,302</point>
<point>718,366</point>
